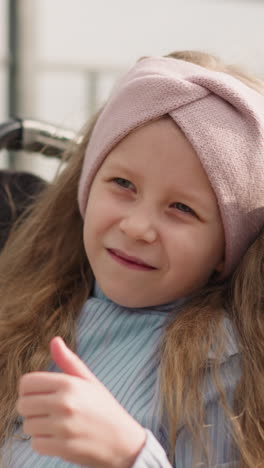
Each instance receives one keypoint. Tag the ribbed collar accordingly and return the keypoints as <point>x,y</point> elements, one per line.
<point>165,310</point>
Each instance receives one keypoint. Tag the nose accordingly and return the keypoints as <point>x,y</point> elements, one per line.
<point>139,225</point>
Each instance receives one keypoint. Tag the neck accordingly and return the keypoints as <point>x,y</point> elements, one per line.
<point>98,293</point>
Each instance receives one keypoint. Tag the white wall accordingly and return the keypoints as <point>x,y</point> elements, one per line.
<point>117,32</point>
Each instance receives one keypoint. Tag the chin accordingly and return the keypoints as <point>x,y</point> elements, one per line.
<point>130,300</point>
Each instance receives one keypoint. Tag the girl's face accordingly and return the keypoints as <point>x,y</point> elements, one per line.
<point>152,230</point>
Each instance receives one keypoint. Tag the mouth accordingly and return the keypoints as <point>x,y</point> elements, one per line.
<point>131,262</point>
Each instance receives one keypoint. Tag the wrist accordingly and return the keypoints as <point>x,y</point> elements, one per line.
<point>133,441</point>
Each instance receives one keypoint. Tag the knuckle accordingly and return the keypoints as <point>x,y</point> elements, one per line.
<point>19,406</point>
<point>66,405</point>
<point>27,408</point>
<point>67,430</point>
<point>27,426</point>
<point>24,382</point>
<point>67,385</point>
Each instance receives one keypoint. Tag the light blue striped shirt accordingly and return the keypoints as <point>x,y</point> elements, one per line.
<point>121,347</point>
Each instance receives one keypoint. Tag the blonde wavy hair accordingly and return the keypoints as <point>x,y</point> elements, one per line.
<point>42,295</point>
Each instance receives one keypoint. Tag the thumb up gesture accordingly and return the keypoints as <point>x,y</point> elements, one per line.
<point>72,415</point>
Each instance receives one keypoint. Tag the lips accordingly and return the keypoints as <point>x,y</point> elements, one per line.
<point>130,259</point>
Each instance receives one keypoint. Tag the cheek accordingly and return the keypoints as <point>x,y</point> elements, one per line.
<point>196,246</point>
<point>216,243</point>
<point>210,249</point>
<point>101,214</point>
<point>192,263</point>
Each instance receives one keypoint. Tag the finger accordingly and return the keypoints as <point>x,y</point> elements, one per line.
<point>38,426</point>
<point>41,382</point>
<point>68,361</point>
<point>35,405</point>
<point>50,426</point>
<point>46,446</point>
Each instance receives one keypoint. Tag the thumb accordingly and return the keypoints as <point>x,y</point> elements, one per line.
<point>68,361</point>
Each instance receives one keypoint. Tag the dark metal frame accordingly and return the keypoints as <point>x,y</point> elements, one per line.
<point>35,136</point>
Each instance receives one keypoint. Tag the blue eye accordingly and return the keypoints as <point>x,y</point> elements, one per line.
<point>123,182</point>
<point>184,208</point>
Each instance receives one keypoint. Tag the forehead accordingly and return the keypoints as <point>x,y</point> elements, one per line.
<point>159,148</point>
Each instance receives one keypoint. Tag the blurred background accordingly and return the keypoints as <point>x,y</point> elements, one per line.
<point>60,58</point>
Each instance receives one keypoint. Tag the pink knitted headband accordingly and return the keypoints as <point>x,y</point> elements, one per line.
<point>221,117</point>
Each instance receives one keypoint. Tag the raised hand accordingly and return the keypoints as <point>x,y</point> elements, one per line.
<point>72,415</point>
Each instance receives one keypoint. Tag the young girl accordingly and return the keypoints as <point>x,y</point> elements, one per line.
<point>138,278</point>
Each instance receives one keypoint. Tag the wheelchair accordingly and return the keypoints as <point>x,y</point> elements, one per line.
<point>18,189</point>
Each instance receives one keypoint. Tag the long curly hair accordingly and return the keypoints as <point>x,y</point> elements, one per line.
<point>45,278</point>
